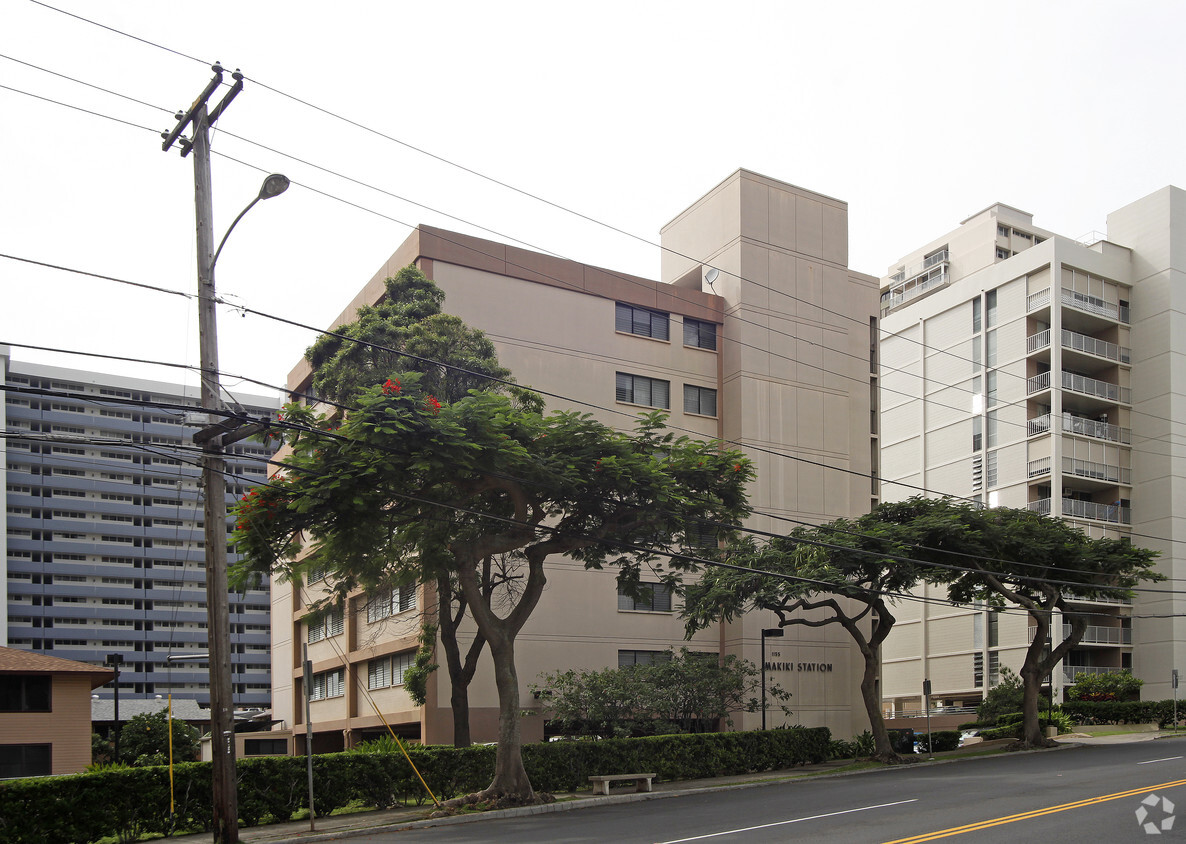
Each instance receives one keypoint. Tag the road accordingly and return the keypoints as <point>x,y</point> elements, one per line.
<point>1078,794</point>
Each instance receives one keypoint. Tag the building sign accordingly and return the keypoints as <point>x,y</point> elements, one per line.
<point>818,667</point>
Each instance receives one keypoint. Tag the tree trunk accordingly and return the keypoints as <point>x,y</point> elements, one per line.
<point>459,702</point>
<point>883,749</point>
<point>1031,696</point>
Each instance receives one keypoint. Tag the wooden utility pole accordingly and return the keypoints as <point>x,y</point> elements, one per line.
<point>225,794</point>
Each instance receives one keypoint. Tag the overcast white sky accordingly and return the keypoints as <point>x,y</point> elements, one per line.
<point>915,113</point>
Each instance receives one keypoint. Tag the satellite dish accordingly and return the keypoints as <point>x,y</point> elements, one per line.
<point>711,275</point>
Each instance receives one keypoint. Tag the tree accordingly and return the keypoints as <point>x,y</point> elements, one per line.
<point>687,691</point>
<point>1003,698</point>
<point>407,332</point>
<point>144,740</point>
<point>845,572</point>
<point>410,489</point>
<point>1041,565</point>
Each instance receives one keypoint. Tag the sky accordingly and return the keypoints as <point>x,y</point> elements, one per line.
<point>917,114</point>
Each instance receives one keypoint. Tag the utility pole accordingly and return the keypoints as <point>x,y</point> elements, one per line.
<point>225,795</point>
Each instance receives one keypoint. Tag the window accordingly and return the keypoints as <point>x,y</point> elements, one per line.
<point>328,625</point>
<point>25,760</point>
<point>329,684</point>
<point>25,694</point>
<point>390,602</point>
<point>638,389</point>
<point>1002,254</point>
<point>977,670</point>
<point>991,438</point>
<point>265,747</point>
<point>994,667</point>
<point>700,335</point>
<point>642,322</point>
<point>976,320</point>
<point>701,400</point>
<point>656,597</point>
<point>990,308</point>
<point>991,380</point>
<point>977,433</point>
<point>626,658</point>
<point>389,670</point>
<point>1002,231</point>
<point>991,470</point>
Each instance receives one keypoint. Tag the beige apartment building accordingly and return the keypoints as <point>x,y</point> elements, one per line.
<point>1021,368</point>
<point>757,333</point>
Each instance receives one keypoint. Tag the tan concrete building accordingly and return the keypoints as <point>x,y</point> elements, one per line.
<point>1021,368</point>
<point>45,713</point>
<point>758,333</point>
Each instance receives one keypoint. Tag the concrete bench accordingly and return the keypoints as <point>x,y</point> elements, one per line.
<point>601,784</point>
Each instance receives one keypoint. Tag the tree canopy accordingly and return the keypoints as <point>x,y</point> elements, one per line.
<point>407,487</point>
<point>846,572</point>
<point>144,740</point>
<point>407,332</point>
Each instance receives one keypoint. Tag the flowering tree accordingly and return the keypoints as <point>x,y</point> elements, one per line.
<point>406,331</point>
<point>412,488</point>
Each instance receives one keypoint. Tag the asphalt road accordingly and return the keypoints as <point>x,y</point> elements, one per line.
<point>1089,794</point>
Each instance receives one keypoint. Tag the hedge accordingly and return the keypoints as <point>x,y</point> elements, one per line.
<point>1159,712</point>
<point>129,802</point>
<point>943,740</point>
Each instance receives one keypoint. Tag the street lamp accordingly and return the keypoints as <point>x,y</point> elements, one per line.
<point>115,661</point>
<point>213,438</point>
<point>771,633</point>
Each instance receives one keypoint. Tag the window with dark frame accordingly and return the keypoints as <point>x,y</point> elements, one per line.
<point>700,400</point>
<point>645,323</point>
<point>26,694</point>
<point>639,389</point>
<point>699,334</point>
<point>655,597</point>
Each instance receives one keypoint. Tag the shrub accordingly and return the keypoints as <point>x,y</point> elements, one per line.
<point>941,739</point>
<point>1121,686</point>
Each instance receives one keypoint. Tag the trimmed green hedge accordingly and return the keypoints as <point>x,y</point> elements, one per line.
<point>127,802</point>
<point>1159,712</point>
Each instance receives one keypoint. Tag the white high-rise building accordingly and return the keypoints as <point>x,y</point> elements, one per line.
<point>105,550</point>
<point>1021,368</point>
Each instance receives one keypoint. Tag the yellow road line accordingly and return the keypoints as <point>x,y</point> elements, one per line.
<point>1078,804</point>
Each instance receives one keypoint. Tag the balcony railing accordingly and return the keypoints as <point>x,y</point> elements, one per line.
<point>1096,471</point>
<point>1069,671</point>
<point>1084,427</point>
<point>1096,635</point>
<point>1093,346</point>
<point>1094,305</point>
<point>1097,599</point>
<point>1094,387</point>
<point>1080,302</point>
<point>1037,341</point>
<point>916,286</point>
<point>1041,466</point>
<point>1037,383</point>
<point>1114,513</point>
<point>1037,300</point>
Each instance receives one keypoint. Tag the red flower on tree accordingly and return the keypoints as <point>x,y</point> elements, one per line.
<point>391,387</point>
<point>431,403</point>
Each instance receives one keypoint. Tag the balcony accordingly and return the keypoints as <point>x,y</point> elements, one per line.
<point>1081,302</point>
<point>1041,466</point>
<point>1092,346</point>
<point>1083,427</point>
<point>1069,672</point>
<point>920,278</point>
<point>1114,513</point>
<point>1083,385</point>
<point>1102,635</point>
<point>1096,471</point>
